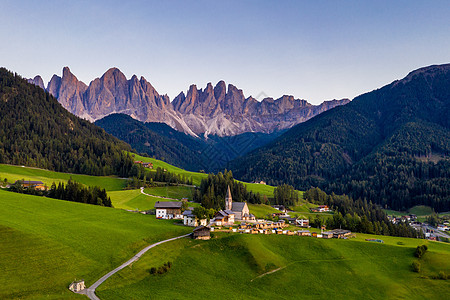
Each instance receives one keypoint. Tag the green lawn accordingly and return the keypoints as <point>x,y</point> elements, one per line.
<point>231,266</point>
<point>47,243</point>
<point>13,173</point>
<point>132,200</point>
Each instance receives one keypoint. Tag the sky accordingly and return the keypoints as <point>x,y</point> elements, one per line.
<point>314,50</point>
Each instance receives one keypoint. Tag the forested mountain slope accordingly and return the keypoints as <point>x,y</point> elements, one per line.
<point>35,130</point>
<point>391,146</point>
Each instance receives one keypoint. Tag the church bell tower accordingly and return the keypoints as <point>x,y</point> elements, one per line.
<point>228,200</point>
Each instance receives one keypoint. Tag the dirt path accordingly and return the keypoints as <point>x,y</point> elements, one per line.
<point>161,197</point>
<point>90,291</point>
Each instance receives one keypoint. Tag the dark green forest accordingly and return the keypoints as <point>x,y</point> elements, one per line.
<point>72,191</point>
<point>212,191</point>
<point>390,146</point>
<point>162,142</point>
<point>35,130</point>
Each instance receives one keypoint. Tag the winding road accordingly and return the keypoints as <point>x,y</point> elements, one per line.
<point>90,291</point>
<point>142,192</point>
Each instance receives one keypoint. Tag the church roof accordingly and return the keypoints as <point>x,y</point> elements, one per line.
<point>238,206</point>
<point>228,193</point>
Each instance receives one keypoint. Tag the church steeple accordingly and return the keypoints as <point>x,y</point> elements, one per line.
<point>228,200</point>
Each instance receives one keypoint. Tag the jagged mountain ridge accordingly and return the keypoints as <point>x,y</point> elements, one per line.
<point>215,110</point>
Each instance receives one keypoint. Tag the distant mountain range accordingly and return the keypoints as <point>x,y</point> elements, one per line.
<point>219,110</point>
<point>390,146</point>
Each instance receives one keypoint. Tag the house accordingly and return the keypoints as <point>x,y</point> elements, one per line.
<point>442,227</point>
<point>240,209</point>
<point>224,217</point>
<point>314,234</point>
<point>280,208</point>
<point>168,210</point>
<point>148,165</point>
<point>288,219</point>
<point>138,162</point>
<point>189,219</point>
<point>38,185</point>
<point>327,235</point>
<point>320,208</point>
<point>340,233</point>
<point>201,233</point>
<point>303,233</point>
<point>302,222</point>
<point>259,182</point>
<point>77,286</point>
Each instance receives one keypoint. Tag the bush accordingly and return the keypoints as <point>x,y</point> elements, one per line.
<point>442,275</point>
<point>420,251</point>
<point>416,266</point>
<point>153,270</point>
<point>161,270</point>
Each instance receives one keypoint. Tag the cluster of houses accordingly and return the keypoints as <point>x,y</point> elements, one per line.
<point>402,219</point>
<point>144,164</point>
<point>238,211</point>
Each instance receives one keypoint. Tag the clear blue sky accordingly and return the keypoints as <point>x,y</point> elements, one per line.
<point>314,50</point>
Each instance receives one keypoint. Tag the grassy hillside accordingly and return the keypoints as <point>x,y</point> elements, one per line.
<point>47,243</point>
<point>13,173</point>
<point>235,266</point>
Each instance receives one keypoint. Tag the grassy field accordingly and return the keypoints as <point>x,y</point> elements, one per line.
<point>235,266</point>
<point>196,177</point>
<point>176,192</point>
<point>47,243</point>
<point>13,173</point>
<point>261,210</point>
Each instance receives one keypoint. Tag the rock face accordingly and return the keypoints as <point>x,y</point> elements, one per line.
<point>218,110</point>
<point>37,80</point>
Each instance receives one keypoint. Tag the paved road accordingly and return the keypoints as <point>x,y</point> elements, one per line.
<point>90,291</point>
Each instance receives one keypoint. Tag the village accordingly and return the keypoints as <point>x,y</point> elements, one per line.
<point>237,218</point>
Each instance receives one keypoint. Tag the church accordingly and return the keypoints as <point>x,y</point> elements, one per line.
<point>240,209</point>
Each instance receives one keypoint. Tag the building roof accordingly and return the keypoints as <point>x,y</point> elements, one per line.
<point>201,227</point>
<point>188,213</point>
<point>228,193</point>
<point>238,206</point>
<point>160,204</point>
<point>29,182</point>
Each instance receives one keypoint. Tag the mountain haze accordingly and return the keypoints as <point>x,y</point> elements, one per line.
<point>219,110</point>
<point>391,146</point>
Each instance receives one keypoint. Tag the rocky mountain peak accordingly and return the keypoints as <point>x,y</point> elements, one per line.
<point>37,80</point>
<point>219,109</point>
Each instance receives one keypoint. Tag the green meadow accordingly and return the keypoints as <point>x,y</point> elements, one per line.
<point>13,173</point>
<point>176,192</point>
<point>239,266</point>
<point>47,243</point>
<point>261,210</point>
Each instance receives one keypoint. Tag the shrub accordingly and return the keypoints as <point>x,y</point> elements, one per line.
<point>153,270</point>
<point>416,266</point>
<point>420,251</point>
<point>442,275</point>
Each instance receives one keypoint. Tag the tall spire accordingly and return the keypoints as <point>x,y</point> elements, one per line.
<point>228,200</point>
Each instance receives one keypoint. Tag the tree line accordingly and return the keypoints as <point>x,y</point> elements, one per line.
<point>72,191</point>
<point>356,215</point>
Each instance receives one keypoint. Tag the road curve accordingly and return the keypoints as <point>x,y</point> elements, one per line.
<point>90,291</point>
<point>142,192</point>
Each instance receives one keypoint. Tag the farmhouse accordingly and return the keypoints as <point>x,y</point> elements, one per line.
<point>148,165</point>
<point>168,210</point>
<point>280,208</point>
<point>340,233</point>
<point>327,235</point>
<point>320,208</point>
<point>224,217</point>
<point>201,233</point>
<point>38,185</point>
<point>302,222</point>
<point>189,219</point>
<point>77,286</point>
<point>240,209</point>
